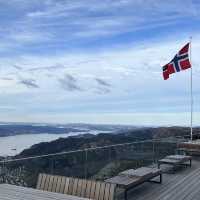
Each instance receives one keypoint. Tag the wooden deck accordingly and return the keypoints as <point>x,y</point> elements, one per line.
<point>184,184</point>
<point>12,192</point>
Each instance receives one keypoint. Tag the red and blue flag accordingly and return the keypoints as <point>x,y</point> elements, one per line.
<point>178,63</point>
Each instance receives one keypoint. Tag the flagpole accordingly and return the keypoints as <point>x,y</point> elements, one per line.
<point>191,93</point>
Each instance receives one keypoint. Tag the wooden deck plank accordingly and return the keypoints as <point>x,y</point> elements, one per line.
<point>184,184</point>
<point>193,191</point>
<point>179,184</point>
<point>10,192</point>
<point>194,196</point>
<point>181,189</point>
<point>155,190</point>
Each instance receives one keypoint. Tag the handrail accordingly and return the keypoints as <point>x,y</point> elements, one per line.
<point>75,151</point>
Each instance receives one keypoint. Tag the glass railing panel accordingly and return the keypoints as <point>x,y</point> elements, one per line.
<point>97,163</point>
<point>70,165</point>
<point>105,163</point>
<point>164,148</point>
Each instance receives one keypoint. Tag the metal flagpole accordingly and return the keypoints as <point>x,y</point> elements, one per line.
<point>191,92</point>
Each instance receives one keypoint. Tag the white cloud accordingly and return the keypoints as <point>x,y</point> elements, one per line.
<point>137,119</point>
<point>29,37</point>
<point>37,37</point>
<point>58,21</point>
<point>121,67</point>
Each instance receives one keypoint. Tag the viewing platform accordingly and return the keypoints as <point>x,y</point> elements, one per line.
<point>99,164</point>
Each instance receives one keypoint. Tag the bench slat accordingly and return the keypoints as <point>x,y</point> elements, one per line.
<point>75,186</point>
<point>46,185</point>
<point>51,182</point>
<point>39,181</point>
<point>58,185</point>
<point>64,188</point>
<point>42,183</point>
<point>55,182</point>
<point>112,192</point>
<point>92,190</point>
<point>83,190</point>
<point>78,187</point>
<point>102,191</point>
<point>107,191</point>
<point>88,189</point>
<point>97,190</point>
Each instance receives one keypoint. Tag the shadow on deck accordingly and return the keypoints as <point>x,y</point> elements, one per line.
<point>184,184</point>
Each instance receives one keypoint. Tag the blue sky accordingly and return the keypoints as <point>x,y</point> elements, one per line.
<point>97,61</point>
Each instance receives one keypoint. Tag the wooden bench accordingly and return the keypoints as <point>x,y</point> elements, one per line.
<point>187,151</point>
<point>131,178</point>
<point>176,160</point>
<point>190,147</point>
<point>91,189</point>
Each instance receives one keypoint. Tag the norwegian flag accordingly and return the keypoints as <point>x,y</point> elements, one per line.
<point>178,63</point>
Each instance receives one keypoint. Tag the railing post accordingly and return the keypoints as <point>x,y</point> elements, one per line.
<point>52,166</point>
<point>86,159</point>
<point>4,171</point>
<point>153,152</point>
<point>110,154</point>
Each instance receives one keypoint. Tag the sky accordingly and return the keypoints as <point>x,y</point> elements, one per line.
<point>91,61</point>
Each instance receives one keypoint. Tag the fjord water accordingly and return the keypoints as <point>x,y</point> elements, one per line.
<point>12,145</point>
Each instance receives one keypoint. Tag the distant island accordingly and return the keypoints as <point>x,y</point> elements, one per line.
<point>12,129</point>
<point>117,137</point>
<point>15,137</point>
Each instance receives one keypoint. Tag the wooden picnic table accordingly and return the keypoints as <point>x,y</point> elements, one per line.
<point>12,192</point>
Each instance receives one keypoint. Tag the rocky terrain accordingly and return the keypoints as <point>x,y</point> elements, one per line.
<point>99,163</point>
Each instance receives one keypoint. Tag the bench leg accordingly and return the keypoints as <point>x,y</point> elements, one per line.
<point>187,164</point>
<point>175,168</point>
<point>126,190</point>
<point>158,165</point>
<point>160,180</point>
<point>125,194</point>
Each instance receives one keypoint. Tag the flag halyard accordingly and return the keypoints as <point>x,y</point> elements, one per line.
<point>178,63</point>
